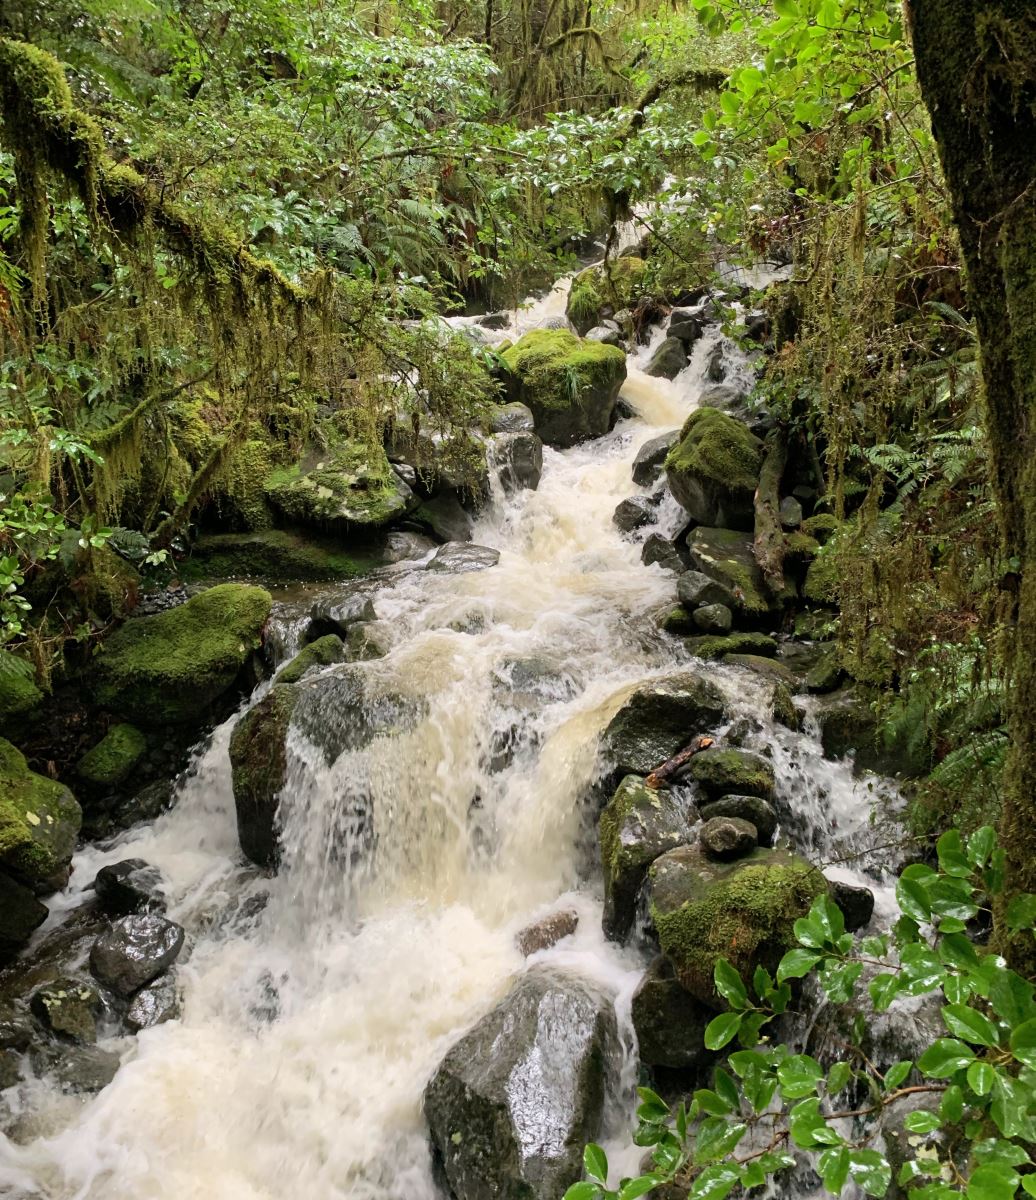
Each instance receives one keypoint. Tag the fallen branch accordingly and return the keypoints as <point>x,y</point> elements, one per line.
<point>673,766</point>
<point>769,544</point>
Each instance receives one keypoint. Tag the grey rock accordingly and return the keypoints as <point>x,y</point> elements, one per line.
<point>512,418</point>
<point>716,365</point>
<point>650,459</point>
<point>130,886</point>
<point>495,320</point>
<point>154,1004</point>
<point>76,1068</point>
<point>659,549</point>
<point>725,838</point>
<point>134,951</point>
<point>856,903</point>
<point>749,808</point>
<point>605,334</point>
<point>668,360</point>
<point>401,546</point>
<point>407,473</point>
<point>669,1022</point>
<point>68,1007</point>
<point>460,558</point>
<point>444,517</point>
<point>519,459</point>
<point>713,618</point>
<point>514,1102</point>
<point>790,513</point>
<point>147,805</point>
<point>696,589</point>
<point>726,770</point>
<point>21,914</point>
<point>337,612</point>
<point>634,513</point>
<point>688,330</point>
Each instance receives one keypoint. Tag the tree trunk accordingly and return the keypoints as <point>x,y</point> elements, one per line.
<point>976,61</point>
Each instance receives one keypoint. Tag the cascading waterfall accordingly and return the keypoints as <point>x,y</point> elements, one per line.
<point>317,1003</point>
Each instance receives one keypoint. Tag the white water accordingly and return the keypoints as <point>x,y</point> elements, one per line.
<point>309,1030</point>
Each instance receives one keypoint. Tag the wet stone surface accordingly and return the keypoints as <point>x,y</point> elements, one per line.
<point>134,951</point>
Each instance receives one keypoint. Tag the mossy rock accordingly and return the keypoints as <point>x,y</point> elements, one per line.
<point>107,583</point>
<point>352,489</point>
<point>710,647</point>
<point>822,580</point>
<point>743,911</point>
<point>769,668</point>
<point>713,470</point>
<point>726,556</point>
<point>277,555</point>
<point>322,653</point>
<point>19,695</point>
<point>800,548</point>
<point>110,762</point>
<point>678,622</point>
<point>39,821</point>
<point>669,1022</point>
<point>571,386</point>
<point>169,668</point>
<point>616,286</point>
<point>637,825</point>
<point>721,771</point>
<point>849,725</point>
<point>820,527</point>
<point>258,759</point>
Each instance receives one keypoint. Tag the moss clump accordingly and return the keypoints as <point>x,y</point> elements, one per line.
<point>722,772</point>
<point>39,820</point>
<point>618,284</point>
<point>821,526</point>
<point>710,647</point>
<point>678,621</point>
<point>799,547</point>
<point>713,470</point>
<point>114,756</point>
<point>279,556</point>
<point>322,653</point>
<point>19,694</point>
<point>822,580</point>
<point>745,915</point>
<point>570,385</point>
<point>170,667</point>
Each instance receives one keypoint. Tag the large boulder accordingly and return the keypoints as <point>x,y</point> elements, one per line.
<point>668,360</point>
<point>744,911</point>
<point>514,1102</point>
<point>570,385</point>
<point>658,720</point>
<point>351,489</point>
<point>713,470</point>
<point>322,652</point>
<point>850,725</point>
<point>669,1022</point>
<point>723,771</point>
<point>135,950</point>
<point>171,667</point>
<point>282,555</point>
<point>21,914</point>
<point>19,695</point>
<point>39,822</point>
<point>726,557</point>
<point>112,760</point>
<point>637,825</point>
<point>518,458</point>
<point>603,290</point>
<point>650,459</point>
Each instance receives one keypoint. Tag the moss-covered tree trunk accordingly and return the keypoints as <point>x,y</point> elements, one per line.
<point>976,60</point>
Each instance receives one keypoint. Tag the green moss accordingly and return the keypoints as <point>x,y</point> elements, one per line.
<point>171,666</point>
<point>321,653</point>
<point>820,526</point>
<point>39,820</point>
<point>726,556</point>
<point>800,547</point>
<point>114,756</point>
<point>19,694</point>
<point>724,772</point>
<point>747,918</point>
<point>678,621</point>
<point>278,556</point>
<point>822,580</point>
<point>243,483</point>
<point>258,761</point>
<point>710,646</point>
<point>618,284</point>
<point>717,448</point>
<point>631,794</point>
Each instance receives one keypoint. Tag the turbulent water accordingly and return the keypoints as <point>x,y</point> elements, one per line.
<point>312,1022</point>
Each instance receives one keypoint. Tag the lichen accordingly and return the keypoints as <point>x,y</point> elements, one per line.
<point>39,820</point>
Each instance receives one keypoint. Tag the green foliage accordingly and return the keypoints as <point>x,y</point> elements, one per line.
<point>973,1132</point>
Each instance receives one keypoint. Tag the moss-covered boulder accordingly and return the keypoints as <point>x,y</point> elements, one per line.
<point>722,770</point>
<point>713,470</point>
<point>658,720</point>
<point>278,555</point>
<point>638,824</point>
<point>670,1023</point>
<point>39,821</point>
<point>570,385</point>
<point>749,808</point>
<point>743,911</point>
<point>171,667</point>
<point>259,759</point>
<point>603,290</point>
<point>850,725</point>
<point>112,760</point>
<point>19,695</point>
<point>714,646</point>
<point>514,1102</point>
<point>322,653</point>
<point>352,488</point>
<point>727,557</point>
<point>21,914</point>
<point>822,580</point>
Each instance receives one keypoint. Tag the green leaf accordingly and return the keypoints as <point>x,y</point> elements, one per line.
<point>871,1171</point>
<point>921,1122</point>
<point>1010,996</point>
<point>993,1181</point>
<point>715,1182</point>
<point>716,1138</point>
<point>980,1078</point>
<point>1023,1043</point>
<point>981,845</point>
<point>1021,912</point>
<point>633,1188</point>
<point>721,1030</point>
<point>596,1162</point>
<point>838,1077</point>
<point>970,1025</point>
<point>895,1075</point>
<point>951,1107</point>
<point>944,1057</point>
<point>726,1088</point>
<point>796,964</point>
<point>799,1076</point>
<point>786,8</point>
<point>883,990</point>
<point>583,1191</point>
<point>834,1168</point>
<point>730,985</point>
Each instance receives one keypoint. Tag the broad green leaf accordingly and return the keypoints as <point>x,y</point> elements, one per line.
<point>596,1162</point>
<point>715,1182</point>
<point>951,1106</point>
<point>1021,912</point>
<point>1023,1043</point>
<point>944,1057</point>
<point>633,1188</point>
<point>895,1075</point>
<point>980,1078</point>
<point>721,1030</point>
<point>993,1181</point>
<point>583,1191</point>
<point>730,985</point>
<point>834,1168</point>
<point>970,1025</point>
<point>871,1171</point>
<point>799,1076</point>
<point>716,1139</point>
<point>797,963</point>
<point>921,1122</point>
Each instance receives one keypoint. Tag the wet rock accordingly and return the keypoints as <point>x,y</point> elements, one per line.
<point>21,914</point>
<point>658,720</point>
<point>154,1004</point>
<point>723,771</point>
<point>460,558</point>
<point>401,546</point>
<point>790,513</point>
<point>713,470</point>
<point>826,674</point>
<point>130,886</point>
<point>519,459</point>
<point>726,838</point>
<point>444,517</point>
<point>76,1068</point>
<point>695,589</point>
<point>148,804</point>
<point>337,612</point>
<point>625,410</point>
<point>134,950</point>
<point>849,725</point>
<point>367,640</point>
<point>766,667</point>
<point>322,652</point>
<point>570,385</point>
<point>515,1100</point>
<point>713,618</point>
<point>637,825</point>
<point>10,1069</point>
<point>650,459</point>
<point>726,557</point>
<point>727,399</point>
<point>659,549</point>
<point>39,821</point>
<point>406,473</point>
<point>668,360</point>
<point>634,513</point>
<point>716,364</point>
<point>604,289</point>
<point>669,1022</point>
<point>757,325</point>
<point>712,646</point>
<point>748,808</point>
<point>258,758</point>
<point>512,418</point>
<point>856,903</point>
<point>687,328</point>
<point>743,911</point>
<point>495,320</point>
<point>68,1007</point>
<point>171,667</point>
<point>541,935</point>
<point>114,757</point>
<point>678,622</point>
<point>606,335</point>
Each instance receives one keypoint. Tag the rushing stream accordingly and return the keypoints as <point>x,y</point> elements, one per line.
<point>311,1022</point>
